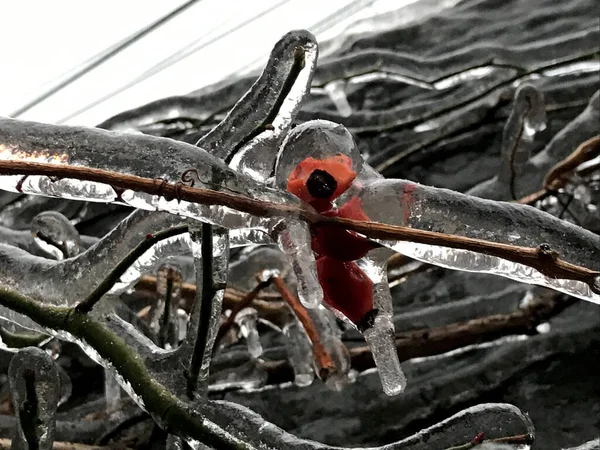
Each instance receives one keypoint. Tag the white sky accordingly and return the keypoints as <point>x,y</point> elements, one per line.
<point>42,40</point>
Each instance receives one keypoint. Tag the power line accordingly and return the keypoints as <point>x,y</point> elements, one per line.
<point>174,58</point>
<point>74,74</point>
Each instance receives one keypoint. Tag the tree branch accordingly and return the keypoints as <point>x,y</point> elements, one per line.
<point>558,175</point>
<point>164,407</point>
<point>429,342</point>
<point>323,359</point>
<point>549,265</point>
<point>105,285</point>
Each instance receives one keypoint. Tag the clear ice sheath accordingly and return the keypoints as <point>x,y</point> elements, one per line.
<point>35,391</point>
<point>441,210</point>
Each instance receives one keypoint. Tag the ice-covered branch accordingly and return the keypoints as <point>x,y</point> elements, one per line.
<point>211,423</point>
<point>581,128</point>
<point>541,258</point>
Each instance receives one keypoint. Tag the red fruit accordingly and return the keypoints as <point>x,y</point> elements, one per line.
<point>346,288</point>
<point>338,166</point>
<point>338,243</point>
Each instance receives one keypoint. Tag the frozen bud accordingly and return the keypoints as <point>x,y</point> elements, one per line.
<point>318,140</point>
<point>54,234</point>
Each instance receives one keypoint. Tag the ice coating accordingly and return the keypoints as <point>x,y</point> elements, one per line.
<point>294,241</point>
<point>35,392</point>
<point>53,232</point>
<point>441,210</point>
<point>316,139</point>
<point>337,95</point>
<point>164,316</point>
<point>149,262</point>
<point>299,352</point>
<point>249,137</point>
<point>45,277</point>
<point>527,117</point>
<point>247,321</point>
<point>202,326</point>
<point>281,87</point>
<point>583,127</point>
<point>494,419</point>
<point>330,336</point>
<point>381,337</point>
<point>164,159</point>
<point>112,390</point>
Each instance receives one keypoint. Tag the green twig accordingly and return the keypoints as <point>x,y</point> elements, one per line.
<point>171,413</point>
<point>22,340</point>
<point>105,285</point>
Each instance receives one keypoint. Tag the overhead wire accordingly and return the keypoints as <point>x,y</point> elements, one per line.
<point>95,61</point>
<point>185,52</point>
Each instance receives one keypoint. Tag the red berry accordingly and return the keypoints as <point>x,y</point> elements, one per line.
<point>346,287</point>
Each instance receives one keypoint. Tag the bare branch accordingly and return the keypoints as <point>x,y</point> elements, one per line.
<point>547,264</point>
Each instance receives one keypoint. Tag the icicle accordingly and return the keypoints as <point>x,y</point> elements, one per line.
<point>330,336</point>
<point>35,391</point>
<point>379,331</point>
<point>300,354</point>
<point>112,391</point>
<point>337,94</point>
<point>54,233</point>
<point>527,117</point>
<point>294,241</point>
<point>165,320</point>
<point>246,319</point>
<point>379,338</point>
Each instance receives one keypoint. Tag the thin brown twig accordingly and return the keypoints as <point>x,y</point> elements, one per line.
<point>245,302</point>
<point>518,439</point>
<point>435,341</point>
<point>558,175</point>
<point>529,256</point>
<point>322,357</point>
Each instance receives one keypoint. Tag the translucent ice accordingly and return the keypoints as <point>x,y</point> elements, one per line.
<point>35,392</point>
<point>164,317</point>
<point>112,391</point>
<point>337,94</point>
<point>300,354</point>
<point>247,321</point>
<point>53,232</point>
<point>379,336</point>
<point>330,336</point>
